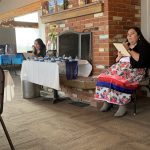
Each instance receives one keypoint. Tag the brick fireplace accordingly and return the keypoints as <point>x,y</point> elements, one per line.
<point>108,21</point>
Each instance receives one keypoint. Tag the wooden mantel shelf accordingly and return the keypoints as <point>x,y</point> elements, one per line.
<point>74,12</point>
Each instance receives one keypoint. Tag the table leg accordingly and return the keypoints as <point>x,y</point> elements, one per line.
<point>14,69</point>
<point>56,96</point>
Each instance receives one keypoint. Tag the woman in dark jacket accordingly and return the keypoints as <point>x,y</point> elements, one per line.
<point>116,84</point>
<point>39,48</point>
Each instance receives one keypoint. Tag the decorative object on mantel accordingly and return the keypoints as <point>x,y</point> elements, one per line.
<point>45,9</point>
<point>95,0</point>
<point>81,2</point>
<point>60,5</point>
<point>57,5</point>
<point>91,1</point>
<point>91,8</point>
<point>66,3</point>
<point>52,6</point>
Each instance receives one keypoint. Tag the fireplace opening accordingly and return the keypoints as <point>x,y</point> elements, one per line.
<point>68,44</point>
<point>75,44</point>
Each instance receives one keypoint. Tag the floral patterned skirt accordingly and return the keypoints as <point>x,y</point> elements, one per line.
<point>117,83</point>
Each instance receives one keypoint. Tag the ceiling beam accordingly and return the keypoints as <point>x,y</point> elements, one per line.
<point>19,24</point>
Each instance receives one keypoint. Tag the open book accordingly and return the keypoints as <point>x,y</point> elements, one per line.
<point>120,47</point>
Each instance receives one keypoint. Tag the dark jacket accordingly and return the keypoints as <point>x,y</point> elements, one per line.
<point>42,53</point>
<point>144,60</point>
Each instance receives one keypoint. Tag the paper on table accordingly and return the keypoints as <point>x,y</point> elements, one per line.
<point>120,47</point>
<point>28,55</point>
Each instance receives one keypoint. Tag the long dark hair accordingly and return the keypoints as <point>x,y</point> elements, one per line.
<point>141,40</point>
<point>42,45</point>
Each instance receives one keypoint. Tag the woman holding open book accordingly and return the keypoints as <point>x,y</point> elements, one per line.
<point>116,84</point>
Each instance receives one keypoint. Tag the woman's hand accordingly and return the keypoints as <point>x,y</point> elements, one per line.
<point>38,51</point>
<point>119,56</point>
<point>134,54</point>
<point>125,44</point>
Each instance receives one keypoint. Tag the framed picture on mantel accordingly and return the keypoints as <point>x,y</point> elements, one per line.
<point>57,5</point>
<point>60,5</point>
<point>52,6</point>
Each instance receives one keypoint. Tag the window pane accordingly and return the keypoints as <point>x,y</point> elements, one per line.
<point>25,38</point>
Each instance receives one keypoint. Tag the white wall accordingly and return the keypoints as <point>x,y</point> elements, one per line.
<point>6,5</point>
<point>41,28</point>
<point>145,18</point>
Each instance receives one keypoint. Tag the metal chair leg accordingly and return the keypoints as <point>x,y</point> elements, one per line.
<point>6,133</point>
<point>134,107</point>
<point>134,102</point>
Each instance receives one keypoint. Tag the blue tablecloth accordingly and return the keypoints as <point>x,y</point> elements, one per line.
<point>9,59</point>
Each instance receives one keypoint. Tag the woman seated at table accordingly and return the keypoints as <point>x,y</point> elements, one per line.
<point>39,48</point>
<point>117,83</point>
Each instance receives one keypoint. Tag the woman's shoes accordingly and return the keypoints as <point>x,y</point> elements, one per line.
<point>106,107</point>
<point>122,110</point>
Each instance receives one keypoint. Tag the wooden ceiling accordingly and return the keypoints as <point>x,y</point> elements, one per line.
<point>20,11</point>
